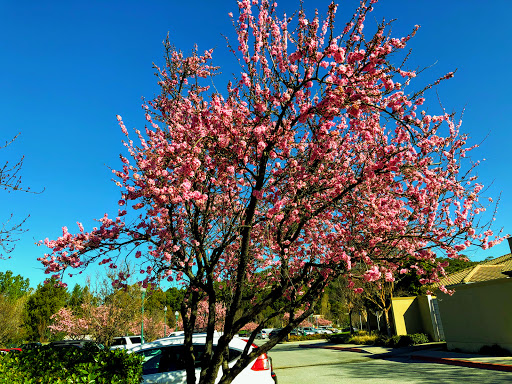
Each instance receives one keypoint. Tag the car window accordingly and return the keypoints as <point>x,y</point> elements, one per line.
<point>199,350</point>
<point>171,358</point>
<point>165,359</point>
<point>135,339</point>
<point>151,360</point>
<point>233,354</point>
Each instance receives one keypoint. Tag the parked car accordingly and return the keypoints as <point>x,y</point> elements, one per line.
<point>164,363</point>
<point>297,332</point>
<point>274,332</point>
<point>125,342</point>
<point>76,344</point>
<point>309,331</point>
<point>10,350</point>
<point>264,333</point>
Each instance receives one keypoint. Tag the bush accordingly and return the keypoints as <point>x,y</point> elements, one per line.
<point>71,365</point>
<point>365,338</point>
<point>340,338</point>
<point>407,340</point>
<point>317,336</point>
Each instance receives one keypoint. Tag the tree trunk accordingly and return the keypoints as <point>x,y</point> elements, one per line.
<point>388,325</point>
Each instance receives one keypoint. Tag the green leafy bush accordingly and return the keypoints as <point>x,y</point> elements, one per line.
<point>340,338</point>
<point>68,365</point>
<point>407,340</point>
<point>365,338</point>
<point>307,337</point>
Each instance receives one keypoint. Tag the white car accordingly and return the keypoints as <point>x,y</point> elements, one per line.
<point>125,342</point>
<point>163,361</point>
<point>264,333</point>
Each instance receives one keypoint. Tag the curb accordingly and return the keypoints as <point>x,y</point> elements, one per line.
<point>464,363</point>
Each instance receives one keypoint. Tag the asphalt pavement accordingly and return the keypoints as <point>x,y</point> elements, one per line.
<point>430,352</point>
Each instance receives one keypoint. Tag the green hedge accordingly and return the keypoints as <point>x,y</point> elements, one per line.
<point>70,365</point>
<point>365,338</point>
<point>408,340</point>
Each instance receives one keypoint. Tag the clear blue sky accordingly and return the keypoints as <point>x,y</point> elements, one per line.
<point>68,67</point>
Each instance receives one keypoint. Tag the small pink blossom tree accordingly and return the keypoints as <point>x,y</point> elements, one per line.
<point>102,323</point>
<point>251,326</point>
<point>202,316</point>
<point>64,321</point>
<point>314,163</point>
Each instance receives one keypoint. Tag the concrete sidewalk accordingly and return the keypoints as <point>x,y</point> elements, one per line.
<point>430,352</point>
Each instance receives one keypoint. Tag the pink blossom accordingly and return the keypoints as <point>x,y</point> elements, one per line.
<point>373,274</point>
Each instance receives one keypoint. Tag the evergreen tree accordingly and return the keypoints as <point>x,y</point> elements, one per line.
<point>47,299</point>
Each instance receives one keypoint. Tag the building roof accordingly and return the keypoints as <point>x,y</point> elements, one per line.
<point>498,268</point>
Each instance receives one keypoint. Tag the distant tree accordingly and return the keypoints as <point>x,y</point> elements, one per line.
<point>456,265</point>
<point>66,324</point>
<point>13,287</point>
<point>345,300</point>
<point>47,299</point>
<point>12,330</point>
<point>156,299</point>
<point>249,327</point>
<point>174,298</point>
<point>380,296</point>
<point>412,281</point>
<point>102,323</point>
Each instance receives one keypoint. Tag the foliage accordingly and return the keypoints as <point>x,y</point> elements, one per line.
<point>71,365</point>
<point>410,283</point>
<point>12,331</point>
<point>13,287</point>
<point>103,323</point>
<point>315,163</point>
<point>408,340</point>
<point>315,336</point>
<point>374,338</point>
<point>202,316</point>
<point>13,296</point>
<point>457,265</point>
<point>47,299</point>
<point>339,338</point>
<point>363,338</point>
<point>79,296</point>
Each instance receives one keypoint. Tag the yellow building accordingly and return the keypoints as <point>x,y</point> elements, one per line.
<point>478,314</point>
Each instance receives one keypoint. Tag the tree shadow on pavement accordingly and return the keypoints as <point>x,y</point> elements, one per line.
<point>412,371</point>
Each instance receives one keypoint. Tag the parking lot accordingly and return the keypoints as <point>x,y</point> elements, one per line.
<point>295,365</point>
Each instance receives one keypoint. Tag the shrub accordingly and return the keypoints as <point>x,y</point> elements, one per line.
<point>340,338</point>
<point>71,365</point>
<point>398,341</point>
<point>306,337</point>
<point>363,338</point>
